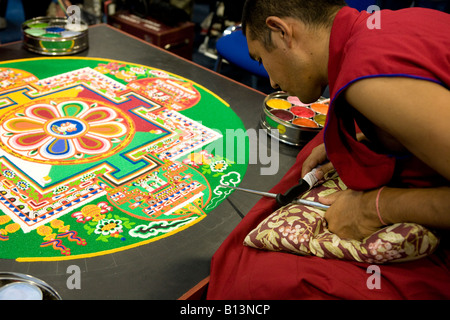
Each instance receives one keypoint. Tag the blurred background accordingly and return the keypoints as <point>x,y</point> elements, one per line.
<point>190,28</point>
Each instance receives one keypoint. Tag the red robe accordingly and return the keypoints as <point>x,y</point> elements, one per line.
<point>420,49</point>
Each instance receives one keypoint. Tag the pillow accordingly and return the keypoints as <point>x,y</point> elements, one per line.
<point>302,230</point>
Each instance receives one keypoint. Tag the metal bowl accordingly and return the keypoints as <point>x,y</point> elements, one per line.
<point>22,283</point>
<point>54,36</point>
<point>282,127</point>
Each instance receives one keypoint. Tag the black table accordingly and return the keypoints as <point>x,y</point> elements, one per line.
<point>169,267</point>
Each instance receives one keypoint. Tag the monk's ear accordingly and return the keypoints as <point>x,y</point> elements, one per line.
<point>279,26</point>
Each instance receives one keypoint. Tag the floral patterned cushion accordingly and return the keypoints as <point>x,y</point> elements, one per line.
<point>302,230</point>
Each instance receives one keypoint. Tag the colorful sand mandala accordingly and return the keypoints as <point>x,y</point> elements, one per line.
<point>99,156</point>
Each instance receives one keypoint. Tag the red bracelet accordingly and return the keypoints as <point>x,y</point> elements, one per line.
<point>378,210</point>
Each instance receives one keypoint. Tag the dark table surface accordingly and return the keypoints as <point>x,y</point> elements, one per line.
<point>169,267</point>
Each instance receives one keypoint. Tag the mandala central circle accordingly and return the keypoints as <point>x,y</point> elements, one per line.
<point>63,131</point>
<point>66,128</point>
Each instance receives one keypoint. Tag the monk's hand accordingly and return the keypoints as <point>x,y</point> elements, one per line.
<point>317,157</point>
<point>352,214</point>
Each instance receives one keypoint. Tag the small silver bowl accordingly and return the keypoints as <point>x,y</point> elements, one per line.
<point>17,286</point>
<point>279,120</point>
<point>54,36</point>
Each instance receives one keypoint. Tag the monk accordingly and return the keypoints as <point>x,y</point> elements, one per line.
<point>387,132</point>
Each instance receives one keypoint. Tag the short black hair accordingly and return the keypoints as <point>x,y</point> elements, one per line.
<point>311,12</point>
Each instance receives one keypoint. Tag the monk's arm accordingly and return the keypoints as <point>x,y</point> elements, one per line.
<point>397,106</point>
<point>415,112</point>
<point>354,214</point>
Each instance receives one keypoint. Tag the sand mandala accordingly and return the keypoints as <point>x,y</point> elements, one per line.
<point>99,156</point>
